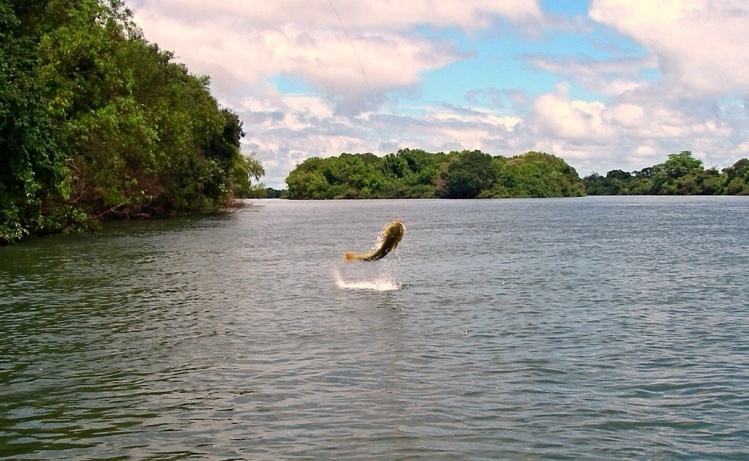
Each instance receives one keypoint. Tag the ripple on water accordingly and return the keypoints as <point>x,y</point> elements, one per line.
<point>583,329</point>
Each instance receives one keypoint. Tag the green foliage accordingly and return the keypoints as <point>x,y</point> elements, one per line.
<point>737,178</point>
<point>407,174</point>
<point>537,174</point>
<point>413,173</point>
<point>472,173</point>
<point>31,170</point>
<point>97,123</point>
<point>274,193</point>
<point>681,174</point>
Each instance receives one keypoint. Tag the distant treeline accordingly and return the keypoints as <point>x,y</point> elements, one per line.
<point>272,193</point>
<point>681,174</point>
<point>97,123</point>
<point>414,173</point>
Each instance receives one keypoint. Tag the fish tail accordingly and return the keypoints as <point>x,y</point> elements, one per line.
<point>350,256</point>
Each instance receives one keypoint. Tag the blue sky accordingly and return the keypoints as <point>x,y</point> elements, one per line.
<point>604,84</point>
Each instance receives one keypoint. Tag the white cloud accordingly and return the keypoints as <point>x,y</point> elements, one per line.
<point>701,45</point>
<point>629,116</point>
<point>383,15</point>
<point>612,77</point>
<point>239,59</point>
<point>556,115</point>
<point>242,43</point>
<point>617,134</point>
<point>628,112</point>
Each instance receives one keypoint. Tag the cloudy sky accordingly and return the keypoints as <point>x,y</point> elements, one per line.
<point>604,84</point>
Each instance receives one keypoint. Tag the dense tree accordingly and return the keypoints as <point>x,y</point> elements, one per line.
<point>737,178</point>
<point>97,123</point>
<point>470,174</point>
<point>32,171</point>
<point>413,173</point>
<point>536,174</point>
<point>680,174</point>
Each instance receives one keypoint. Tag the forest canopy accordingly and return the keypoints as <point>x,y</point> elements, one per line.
<point>414,173</point>
<point>680,174</point>
<point>98,123</point>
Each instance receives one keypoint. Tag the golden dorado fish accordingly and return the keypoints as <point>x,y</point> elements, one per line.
<point>389,238</point>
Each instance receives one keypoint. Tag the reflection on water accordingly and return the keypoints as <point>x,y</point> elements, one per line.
<point>596,328</point>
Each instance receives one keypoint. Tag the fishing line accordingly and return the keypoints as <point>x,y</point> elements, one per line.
<point>366,80</point>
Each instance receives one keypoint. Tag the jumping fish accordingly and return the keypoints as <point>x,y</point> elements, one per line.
<point>389,238</point>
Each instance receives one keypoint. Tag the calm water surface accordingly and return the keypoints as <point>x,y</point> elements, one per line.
<point>594,328</point>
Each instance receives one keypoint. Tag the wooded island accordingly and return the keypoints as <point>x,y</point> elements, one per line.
<point>413,173</point>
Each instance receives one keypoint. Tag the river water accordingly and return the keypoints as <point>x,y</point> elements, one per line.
<point>591,328</point>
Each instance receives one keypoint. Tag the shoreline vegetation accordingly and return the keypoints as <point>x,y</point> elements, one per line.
<point>413,173</point>
<point>96,124</point>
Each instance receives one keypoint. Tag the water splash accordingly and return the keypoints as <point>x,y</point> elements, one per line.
<point>383,282</point>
